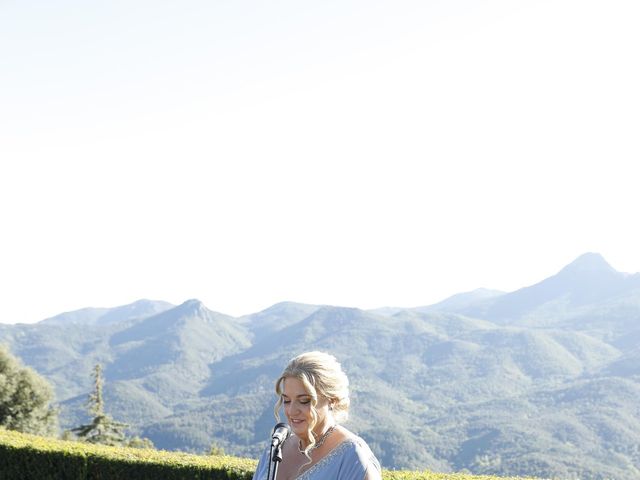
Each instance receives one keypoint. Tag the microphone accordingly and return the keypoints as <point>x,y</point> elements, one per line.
<point>280,433</point>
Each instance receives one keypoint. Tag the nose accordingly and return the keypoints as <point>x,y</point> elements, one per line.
<point>291,409</point>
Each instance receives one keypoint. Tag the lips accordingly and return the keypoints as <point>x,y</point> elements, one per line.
<point>296,424</point>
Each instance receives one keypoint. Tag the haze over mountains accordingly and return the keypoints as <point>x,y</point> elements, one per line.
<point>541,381</point>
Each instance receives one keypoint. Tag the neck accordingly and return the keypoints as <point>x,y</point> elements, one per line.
<point>318,433</point>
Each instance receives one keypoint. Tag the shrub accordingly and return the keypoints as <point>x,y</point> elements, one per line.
<point>29,457</point>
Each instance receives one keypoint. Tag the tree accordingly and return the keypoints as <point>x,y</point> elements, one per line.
<point>137,442</point>
<point>103,429</point>
<point>216,449</point>
<point>25,398</point>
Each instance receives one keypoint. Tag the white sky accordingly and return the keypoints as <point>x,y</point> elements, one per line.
<point>356,153</point>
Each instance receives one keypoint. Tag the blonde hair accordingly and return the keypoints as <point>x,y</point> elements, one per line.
<point>322,376</point>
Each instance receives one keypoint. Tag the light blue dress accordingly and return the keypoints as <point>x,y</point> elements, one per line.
<point>350,460</point>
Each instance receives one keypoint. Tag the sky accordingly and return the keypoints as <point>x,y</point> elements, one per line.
<point>355,153</point>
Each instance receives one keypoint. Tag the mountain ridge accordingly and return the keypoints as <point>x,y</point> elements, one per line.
<point>105,316</point>
<point>588,280</point>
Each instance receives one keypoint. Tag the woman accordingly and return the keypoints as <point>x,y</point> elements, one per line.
<point>315,394</point>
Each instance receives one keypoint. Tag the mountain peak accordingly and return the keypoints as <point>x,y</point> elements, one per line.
<point>193,306</point>
<point>588,263</point>
<point>193,302</point>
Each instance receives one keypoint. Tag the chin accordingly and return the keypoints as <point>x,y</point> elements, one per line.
<point>298,428</point>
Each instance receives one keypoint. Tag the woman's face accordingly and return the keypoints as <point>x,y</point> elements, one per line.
<point>297,408</point>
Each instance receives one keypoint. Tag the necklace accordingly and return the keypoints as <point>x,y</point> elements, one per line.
<point>319,442</point>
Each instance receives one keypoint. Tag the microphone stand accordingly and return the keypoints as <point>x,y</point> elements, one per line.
<point>281,432</point>
<point>276,457</point>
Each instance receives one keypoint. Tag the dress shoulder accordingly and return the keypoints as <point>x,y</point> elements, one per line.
<point>365,456</point>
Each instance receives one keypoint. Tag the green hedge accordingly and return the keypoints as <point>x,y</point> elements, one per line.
<point>29,457</point>
<point>427,475</point>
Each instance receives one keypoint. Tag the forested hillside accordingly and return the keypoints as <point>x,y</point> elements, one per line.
<point>543,381</point>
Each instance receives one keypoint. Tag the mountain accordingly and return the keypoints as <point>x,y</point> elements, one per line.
<point>105,316</point>
<point>462,301</point>
<point>580,286</point>
<point>277,317</point>
<point>542,381</point>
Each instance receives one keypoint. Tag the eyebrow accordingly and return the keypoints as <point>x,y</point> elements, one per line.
<point>298,396</point>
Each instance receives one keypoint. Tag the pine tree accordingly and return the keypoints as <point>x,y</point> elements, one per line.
<point>103,429</point>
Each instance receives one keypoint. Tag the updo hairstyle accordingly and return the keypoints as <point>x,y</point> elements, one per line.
<point>322,376</point>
